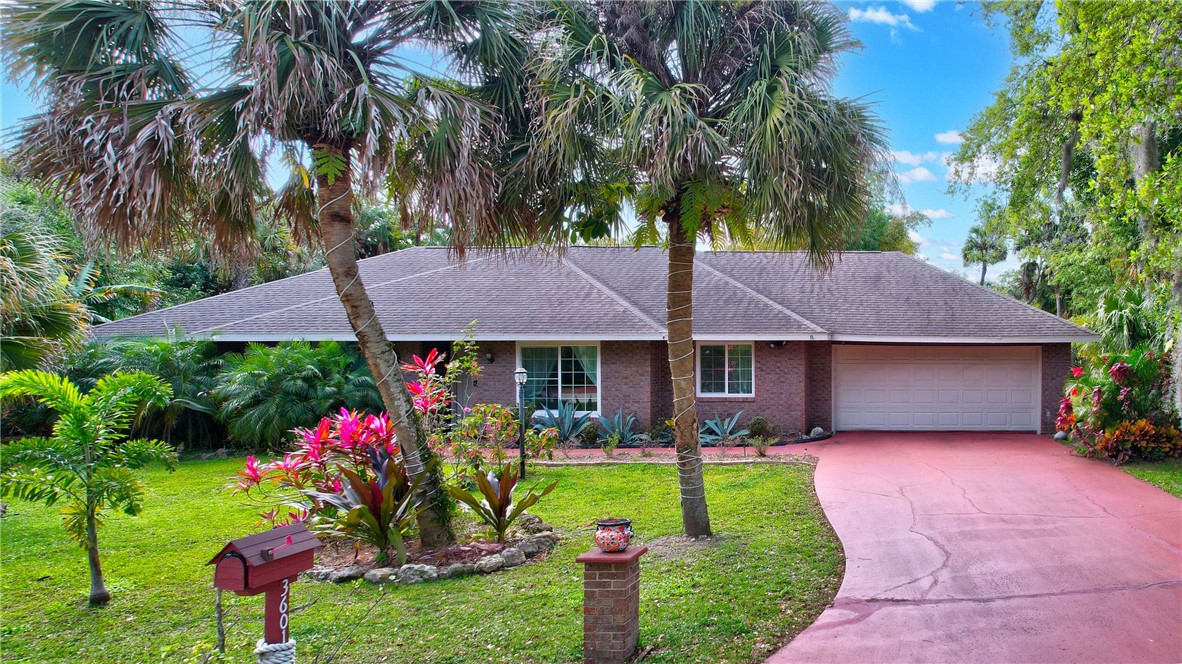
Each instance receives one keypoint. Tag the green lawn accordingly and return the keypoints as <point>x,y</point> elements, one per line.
<point>1165,475</point>
<point>775,567</point>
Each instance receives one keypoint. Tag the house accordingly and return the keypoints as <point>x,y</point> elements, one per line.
<point>881,341</point>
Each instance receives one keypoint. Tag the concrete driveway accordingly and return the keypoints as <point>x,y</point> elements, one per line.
<point>993,548</point>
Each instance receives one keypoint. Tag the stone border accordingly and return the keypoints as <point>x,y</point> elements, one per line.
<point>539,539</point>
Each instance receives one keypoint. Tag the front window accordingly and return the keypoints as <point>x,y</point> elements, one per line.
<point>561,374</point>
<point>726,369</point>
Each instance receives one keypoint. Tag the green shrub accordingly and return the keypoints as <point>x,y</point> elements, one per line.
<point>268,391</point>
<point>760,427</point>
<point>761,444</point>
<point>721,430</point>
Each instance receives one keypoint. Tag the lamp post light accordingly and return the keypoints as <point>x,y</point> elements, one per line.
<point>519,377</point>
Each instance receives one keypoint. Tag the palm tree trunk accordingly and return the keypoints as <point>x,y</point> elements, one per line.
<point>984,266</point>
<point>335,199</point>
<point>695,518</point>
<point>98,588</point>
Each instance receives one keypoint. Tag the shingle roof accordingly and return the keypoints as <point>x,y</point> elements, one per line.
<point>619,293</point>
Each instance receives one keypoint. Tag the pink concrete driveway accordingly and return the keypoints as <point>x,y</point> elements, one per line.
<point>993,548</point>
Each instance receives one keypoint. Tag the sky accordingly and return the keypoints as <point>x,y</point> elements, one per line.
<point>927,66</point>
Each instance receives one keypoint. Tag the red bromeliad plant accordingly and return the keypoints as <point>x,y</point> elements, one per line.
<point>345,478</point>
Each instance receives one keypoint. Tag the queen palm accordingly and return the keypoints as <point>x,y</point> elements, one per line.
<point>985,247</point>
<point>721,114</point>
<point>145,133</point>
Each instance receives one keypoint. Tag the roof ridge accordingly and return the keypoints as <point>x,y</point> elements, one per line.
<point>761,297</point>
<point>335,295</point>
<point>994,293</point>
<point>620,299</point>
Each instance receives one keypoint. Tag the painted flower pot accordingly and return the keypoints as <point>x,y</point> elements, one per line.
<point>613,535</point>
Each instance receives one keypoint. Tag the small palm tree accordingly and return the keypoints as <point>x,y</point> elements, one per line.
<point>984,247</point>
<point>88,465</point>
<point>145,135</point>
<point>86,289</point>
<point>716,119</point>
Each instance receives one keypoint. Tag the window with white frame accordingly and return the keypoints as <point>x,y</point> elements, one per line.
<point>726,370</point>
<point>558,374</point>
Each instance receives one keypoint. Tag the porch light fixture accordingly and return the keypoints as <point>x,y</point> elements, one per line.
<point>491,359</point>
<point>520,377</point>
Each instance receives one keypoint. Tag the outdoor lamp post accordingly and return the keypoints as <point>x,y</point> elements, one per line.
<point>519,377</point>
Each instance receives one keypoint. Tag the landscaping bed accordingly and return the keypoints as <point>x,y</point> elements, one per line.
<point>774,568</point>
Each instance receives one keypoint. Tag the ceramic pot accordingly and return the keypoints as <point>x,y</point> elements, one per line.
<point>613,535</point>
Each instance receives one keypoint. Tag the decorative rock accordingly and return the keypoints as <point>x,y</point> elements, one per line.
<point>382,575</point>
<point>817,431</point>
<point>417,573</point>
<point>1060,435</point>
<point>536,545</point>
<point>457,570</point>
<point>490,564</point>
<point>513,557</point>
<point>530,522</point>
<point>350,573</point>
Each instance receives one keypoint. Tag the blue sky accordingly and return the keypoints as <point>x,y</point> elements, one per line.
<point>928,66</point>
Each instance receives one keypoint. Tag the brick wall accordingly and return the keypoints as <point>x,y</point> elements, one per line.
<point>626,379</point>
<point>661,387</point>
<point>495,384</point>
<point>779,389</point>
<point>819,385</point>
<point>1056,365</point>
<point>611,607</point>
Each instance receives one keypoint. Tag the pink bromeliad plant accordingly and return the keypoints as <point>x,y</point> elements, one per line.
<point>345,478</point>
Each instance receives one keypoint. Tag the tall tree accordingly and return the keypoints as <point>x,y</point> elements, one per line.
<point>144,134</point>
<point>717,121</point>
<point>983,247</point>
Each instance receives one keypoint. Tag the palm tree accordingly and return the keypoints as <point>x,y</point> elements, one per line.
<point>144,135</point>
<point>985,247</point>
<point>88,465</point>
<point>716,120</point>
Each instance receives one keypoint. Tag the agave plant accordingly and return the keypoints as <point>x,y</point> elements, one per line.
<point>621,428</point>
<point>721,429</point>
<point>566,420</point>
<point>377,510</point>
<point>498,509</point>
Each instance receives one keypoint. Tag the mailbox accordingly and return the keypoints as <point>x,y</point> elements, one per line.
<point>267,563</point>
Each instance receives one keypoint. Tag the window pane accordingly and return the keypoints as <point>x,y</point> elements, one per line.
<point>739,369</point>
<point>578,376</point>
<point>541,366</point>
<point>712,364</point>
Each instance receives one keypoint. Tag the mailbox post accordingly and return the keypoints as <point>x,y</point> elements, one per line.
<point>268,563</point>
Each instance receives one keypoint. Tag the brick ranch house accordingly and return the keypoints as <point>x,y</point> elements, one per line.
<point>883,341</point>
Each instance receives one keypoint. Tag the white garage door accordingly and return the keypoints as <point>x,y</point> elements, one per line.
<point>934,388</point>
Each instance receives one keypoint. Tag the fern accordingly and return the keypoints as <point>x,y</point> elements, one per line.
<point>328,163</point>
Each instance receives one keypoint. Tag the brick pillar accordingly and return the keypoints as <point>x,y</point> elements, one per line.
<point>611,604</point>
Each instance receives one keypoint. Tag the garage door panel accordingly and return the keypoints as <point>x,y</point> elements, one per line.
<point>936,387</point>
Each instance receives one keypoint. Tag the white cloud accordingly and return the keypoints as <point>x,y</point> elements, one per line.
<point>939,213</point>
<point>899,209</point>
<point>949,257</point>
<point>982,170</point>
<point>950,137</point>
<point>881,16</point>
<point>918,239</point>
<point>920,174</point>
<point>914,158</point>
<point>920,6</point>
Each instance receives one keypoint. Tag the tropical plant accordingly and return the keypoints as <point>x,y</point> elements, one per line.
<point>143,134</point>
<point>345,478</point>
<point>191,369</point>
<point>39,320</point>
<point>722,430</point>
<point>268,391</point>
<point>622,428</point>
<point>1126,319</point>
<point>498,509</point>
<point>716,121</point>
<point>566,421</point>
<point>983,247</point>
<point>761,444</point>
<point>88,466</point>
<point>481,436</point>
<point>86,289</point>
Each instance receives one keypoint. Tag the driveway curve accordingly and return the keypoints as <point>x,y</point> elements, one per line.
<point>968,547</point>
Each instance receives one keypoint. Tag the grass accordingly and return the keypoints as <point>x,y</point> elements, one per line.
<point>773,569</point>
<point>1165,475</point>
